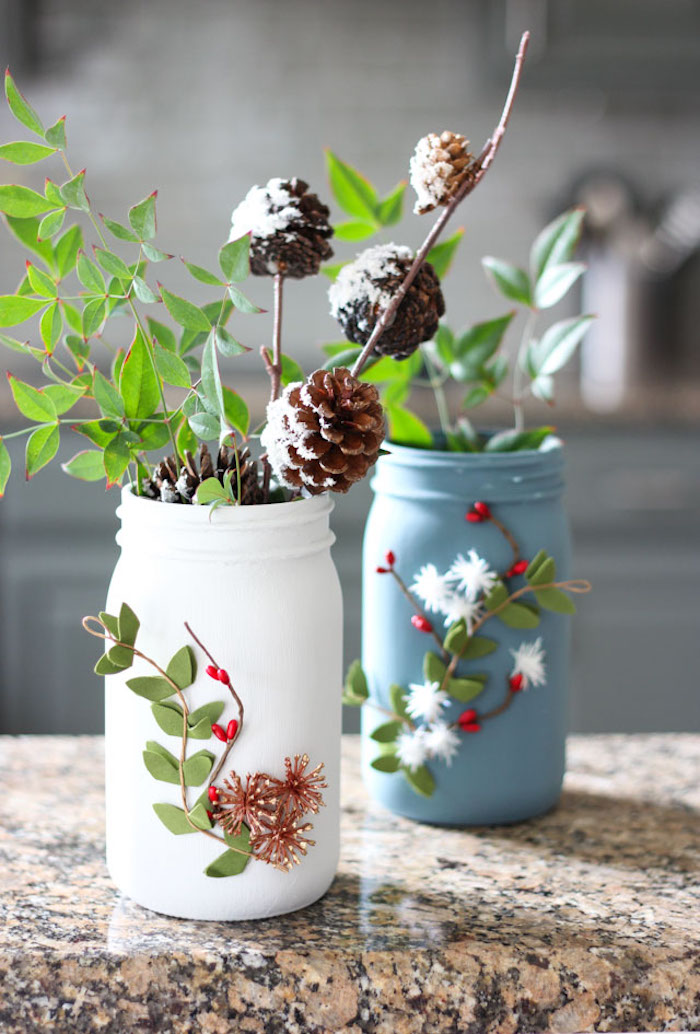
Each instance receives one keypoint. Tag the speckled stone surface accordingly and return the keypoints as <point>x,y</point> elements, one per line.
<point>585,919</point>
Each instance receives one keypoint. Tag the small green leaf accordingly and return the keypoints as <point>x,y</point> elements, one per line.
<point>390,208</point>
<point>173,818</point>
<point>208,713</point>
<point>433,668</point>
<point>205,426</point>
<point>199,816</point>
<point>155,254</point>
<point>27,233</point>
<point>162,334</point>
<point>387,732</point>
<point>231,863</point>
<point>556,600</point>
<point>241,301</point>
<point>557,345</point>
<point>14,309</point>
<point>352,191</point>
<point>73,193</point>
<point>161,763</point>
<point>42,446</point>
<point>236,411</point>
<point>356,688</point>
<point>138,384</point>
<point>122,233</point>
<point>112,264</point>
<point>22,152</point>
<point>441,255</point>
<point>20,108</point>
<point>291,371</point>
<point>182,667</point>
<point>421,780</point>
<point>555,282</point>
<point>475,347</point>
<point>168,714</point>
<point>542,570</point>
<point>197,768</point>
<point>51,224</point>
<point>234,259</point>
<point>171,367</point>
<point>516,441</point>
<point>86,465</point>
<point>111,623</point>
<point>210,490</point>
<point>466,689</point>
<point>211,390</point>
<point>202,274</point>
<point>406,428</point>
<point>89,275</point>
<point>129,625</point>
<point>227,344</point>
<point>397,696</point>
<point>53,193</point>
<point>55,135</point>
<point>556,243</point>
<point>151,687</point>
<point>478,646</point>
<point>456,637</point>
<point>332,271</point>
<point>66,250</point>
<point>142,217</point>
<point>5,467</point>
<point>40,282</point>
<point>143,292</point>
<point>345,358</point>
<point>93,316</point>
<point>30,402</point>
<point>513,283</point>
<point>121,656</point>
<point>184,312</point>
<point>21,202</point>
<point>354,231</point>
<point>105,667</point>
<point>520,615</point>
<point>386,763</point>
<point>63,396</point>
<point>116,458</point>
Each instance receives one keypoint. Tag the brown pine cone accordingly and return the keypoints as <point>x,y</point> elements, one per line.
<point>289,229</point>
<point>173,483</point>
<point>440,165</point>
<point>365,287</point>
<point>324,434</point>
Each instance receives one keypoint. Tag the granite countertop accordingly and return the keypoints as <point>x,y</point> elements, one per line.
<point>585,919</point>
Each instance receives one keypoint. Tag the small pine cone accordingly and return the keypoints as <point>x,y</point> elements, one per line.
<point>365,287</point>
<point>289,229</point>
<point>324,434</point>
<point>172,483</point>
<point>440,165</point>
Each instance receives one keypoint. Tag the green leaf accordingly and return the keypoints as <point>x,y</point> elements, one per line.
<point>234,259</point>
<point>390,208</point>
<point>184,312</point>
<point>63,396</point>
<point>129,625</point>
<point>51,224</point>
<point>142,217</point>
<point>182,667</point>
<point>116,458</point>
<point>50,328</point>
<point>138,384</point>
<point>456,637</point>
<point>421,780</point>
<point>14,310</point>
<point>498,595</point>
<point>242,303</point>
<point>205,426</point>
<point>433,668</point>
<point>397,698</point>
<point>86,465</point>
<point>155,254</point>
<point>208,713</point>
<point>227,345</point>
<point>20,108</point>
<point>236,411</point>
<point>161,763</point>
<point>354,231</point>
<point>202,274</point>
<point>143,292</point>
<point>112,264</point>
<point>387,732</point>
<point>197,768</point>
<point>516,441</point>
<point>441,255</point>
<point>105,667</point>
<point>291,371</point>
<point>122,233</point>
<point>173,818</point>
<point>55,135</point>
<point>210,490</point>
<point>475,346</point>
<point>121,656</point>
<point>332,271</point>
<point>53,193</point>
<point>555,282</point>
<point>5,467</point>
<point>231,863</point>
<point>557,242</point>
<point>40,282</point>
<point>356,689</point>
<point>22,152</point>
<point>512,282</point>
<point>199,816</point>
<point>93,316</point>
<point>556,600</point>
<point>406,428</point>
<point>151,687</point>
<point>153,435</point>
<point>557,345</point>
<point>21,202</point>
<point>168,714</point>
<point>30,402</point>
<point>110,622</point>
<point>386,763</point>
<point>211,390</point>
<point>345,358</point>
<point>89,275</point>
<point>466,689</point>
<point>171,367</point>
<point>352,191</point>
<point>520,615</point>
<point>66,250</point>
<point>478,646</point>
<point>162,334</point>
<point>541,569</point>
<point>42,446</point>
<point>27,233</point>
<point>73,193</point>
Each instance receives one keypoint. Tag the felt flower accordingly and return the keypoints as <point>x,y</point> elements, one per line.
<point>442,741</point>
<point>472,575</point>
<point>460,608</point>
<point>528,661</point>
<point>411,748</point>
<point>431,587</point>
<point>426,700</point>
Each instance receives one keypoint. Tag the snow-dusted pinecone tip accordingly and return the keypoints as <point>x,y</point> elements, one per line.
<point>289,229</point>
<point>440,165</point>
<point>324,434</point>
<point>364,288</point>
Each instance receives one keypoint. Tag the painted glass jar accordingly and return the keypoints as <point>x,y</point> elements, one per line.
<point>258,587</point>
<point>510,767</point>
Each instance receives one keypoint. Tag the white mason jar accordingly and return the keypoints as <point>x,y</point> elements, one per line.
<point>259,588</point>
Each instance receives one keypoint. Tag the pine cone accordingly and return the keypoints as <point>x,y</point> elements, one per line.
<point>172,483</point>
<point>365,287</point>
<point>439,167</point>
<point>289,229</point>
<point>324,434</point>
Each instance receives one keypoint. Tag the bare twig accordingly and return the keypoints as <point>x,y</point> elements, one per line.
<point>275,368</point>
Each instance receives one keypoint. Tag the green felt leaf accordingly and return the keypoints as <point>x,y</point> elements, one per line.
<point>168,714</point>
<point>538,559</point>
<point>516,441</point>
<point>173,818</point>
<point>234,259</point>
<point>51,224</point>
<point>241,301</point>
<point>405,428</point>
<point>86,465</point>
<point>466,689</point>
<point>209,713</point>
<point>557,242</point>
<point>66,250</point>
<point>205,426</point>
<point>110,622</point>
<point>20,107</point>
<point>386,763</point>
<point>121,656</point>
<point>441,255</point>
<point>42,446</point>
<point>542,569</point>
<point>161,764</point>
<point>198,767</point>
<point>498,595</point>
<point>397,697</point>
<point>55,135</point>
<point>14,309</point>
<point>520,615</point>
<point>73,193</point>
<point>143,292</point>
<point>142,218</point>
<point>356,689</point>
<point>433,668</point>
<point>105,667</point>
<point>352,191</point>
<point>171,367</point>
<point>23,152</point>
<point>202,275</point>
<point>22,202</point>
<point>138,384</point>
<point>112,264</point>
<point>182,668</point>
<point>185,313</point>
<point>236,411</point>
<point>354,231</point>
<point>478,646</point>
<point>421,780</point>
<point>118,230</point>
<point>390,208</point>
<point>555,282</point>
<point>456,637</point>
<point>31,402</point>
<point>93,316</point>
<point>387,732</point>
<point>513,283</point>
<point>231,863</point>
<point>556,600</point>
<point>129,625</point>
<point>5,467</point>
<point>151,687</point>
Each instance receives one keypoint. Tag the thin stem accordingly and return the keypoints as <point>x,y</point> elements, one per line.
<point>439,392</point>
<point>510,539</point>
<point>519,370</point>
<point>418,609</point>
<point>480,165</point>
<point>368,702</point>
<point>275,368</point>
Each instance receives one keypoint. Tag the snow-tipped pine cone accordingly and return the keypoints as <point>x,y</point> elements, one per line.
<point>289,229</point>
<point>439,166</point>
<point>324,434</point>
<point>364,288</point>
<point>174,482</point>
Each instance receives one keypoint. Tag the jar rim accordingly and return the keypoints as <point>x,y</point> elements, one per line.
<point>225,517</point>
<point>415,456</point>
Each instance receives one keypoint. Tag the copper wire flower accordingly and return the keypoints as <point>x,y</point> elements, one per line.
<point>300,791</point>
<point>279,840</point>
<point>250,803</point>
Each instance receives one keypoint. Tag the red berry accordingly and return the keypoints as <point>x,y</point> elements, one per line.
<point>519,568</point>
<point>467,718</point>
<point>210,815</point>
<point>218,732</point>
<point>390,558</point>
<point>482,509</point>
<point>212,672</point>
<point>471,727</point>
<point>516,682</point>
<point>231,729</point>
<point>382,570</point>
<point>224,677</point>
<point>473,518</point>
<point>421,623</point>
<point>213,794</point>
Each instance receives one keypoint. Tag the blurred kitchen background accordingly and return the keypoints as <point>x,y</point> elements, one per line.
<point>203,99</point>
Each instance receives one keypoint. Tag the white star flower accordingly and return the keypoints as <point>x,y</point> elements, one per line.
<point>472,575</point>
<point>457,608</point>
<point>411,748</point>
<point>431,587</point>
<point>442,742</point>
<point>426,700</point>
<point>528,661</point>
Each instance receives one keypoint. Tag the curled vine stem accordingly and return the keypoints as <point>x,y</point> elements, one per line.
<point>418,609</point>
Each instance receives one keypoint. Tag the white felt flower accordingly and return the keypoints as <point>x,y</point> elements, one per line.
<point>472,575</point>
<point>442,742</point>
<point>411,748</point>
<point>458,608</point>
<point>426,700</point>
<point>528,661</point>
<point>431,587</point>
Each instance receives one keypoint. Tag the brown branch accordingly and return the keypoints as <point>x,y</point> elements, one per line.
<point>507,536</point>
<point>480,164</point>
<point>418,609</point>
<point>368,702</point>
<point>275,368</point>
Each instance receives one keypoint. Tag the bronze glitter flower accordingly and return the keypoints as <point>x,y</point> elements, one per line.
<point>300,791</point>
<point>250,803</point>
<point>280,839</point>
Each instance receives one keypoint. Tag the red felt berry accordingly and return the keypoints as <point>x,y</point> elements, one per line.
<point>482,509</point>
<point>210,815</point>
<point>471,727</point>
<point>390,558</point>
<point>231,729</point>
<point>519,567</point>
<point>467,718</point>
<point>516,682</point>
<point>224,677</point>
<point>212,672</point>
<point>382,570</point>
<point>421,623</point>
<point>473,518</point>
<point>213,794</point>
<point>218,732</point>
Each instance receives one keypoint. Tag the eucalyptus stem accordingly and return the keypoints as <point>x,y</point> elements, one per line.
<point>518,371</point>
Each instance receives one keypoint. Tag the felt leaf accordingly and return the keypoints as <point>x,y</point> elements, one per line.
<point>466,689</point>
<point>21,202</point>
<point>513,283</point>
<point>387,732</point>
<point>241,301</point>
<point>210,713</point>
<point>168,714</point>
<point>478,646</point>
<point>542,570</point>
<point>5,467</point>
<point>42,446</point>
<point>520,615</point>
<point>128,625</point>
<point>386,763</point>
<point>231,863</point>
<point>121,656</point>
<point>185,313</point>
<point>352,191</point>
<point>21,108</point>
<point>152,687</point>
<point>31,402</point>
<point>138,384</point>
<point>173,818</point>
<point>441,255</point>
<point>536,561</point>
<point>197,768</point>
<point>421,780</point>
<point>122,233</point>
<point>234,259</point>
<point>406,428</point>
<point>51,224</point>
<point>14,309</point>
<point>142,217</point>
<point>111,623</point>
<point>105,667</point>
<point>199,816</point>
<point>556,600</point>
<point>557,242</point>
<point>555,282</point>
<point>24,152</point>
<point>433,668</point>
<point>498,595</point>
<point>390,208</point>
<point>182,668</point>
<point>356,689</point>
<point>397,697</point>
<point>456,637</point>
<point>162,768</point>
<point>73,193</point>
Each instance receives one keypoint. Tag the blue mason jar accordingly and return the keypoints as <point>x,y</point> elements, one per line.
<point>512,768</point>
